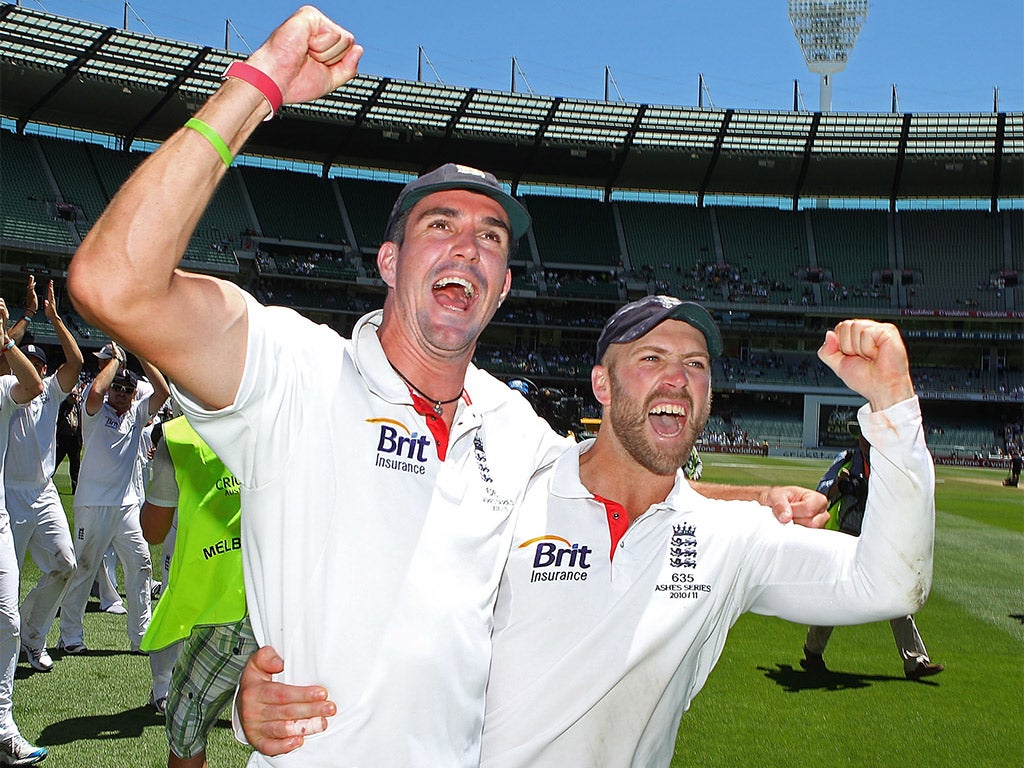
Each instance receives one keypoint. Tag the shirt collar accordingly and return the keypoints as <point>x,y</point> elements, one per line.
<point>566,483</point>
<point>485,392</point>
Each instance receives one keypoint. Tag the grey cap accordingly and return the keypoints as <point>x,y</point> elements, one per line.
<point>452,176</point>
<point>107,353</point>
<point>637,318</point>
<point>31,350</point>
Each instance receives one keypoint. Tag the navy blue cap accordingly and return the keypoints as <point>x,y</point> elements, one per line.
<point>31,350</point>
<point>638,318</point>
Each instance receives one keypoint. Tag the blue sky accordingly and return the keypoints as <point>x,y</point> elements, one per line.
<point>943,56</point>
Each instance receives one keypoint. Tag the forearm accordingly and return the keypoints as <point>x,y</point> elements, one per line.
<point>100,385</point>
<point>68,372</point>
<point>732,492</point>
<point>29,384</point>
<point>160,389</point>
<point>17,331</point>
<point>155,521</point>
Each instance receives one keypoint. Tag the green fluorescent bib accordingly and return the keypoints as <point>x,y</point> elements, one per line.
<point>205,585</point>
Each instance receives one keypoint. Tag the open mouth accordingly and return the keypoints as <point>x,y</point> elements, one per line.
<point>667,419</point>
<point>454,293</point>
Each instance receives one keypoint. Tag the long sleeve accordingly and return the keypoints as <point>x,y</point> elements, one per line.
<point>823,577</point>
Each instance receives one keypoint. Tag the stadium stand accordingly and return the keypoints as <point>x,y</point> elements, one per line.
<point>851,246</point>
<point>294,206</point>
<point>571,231</point>
<point>30,210</point>
<point>775,278</point>
<point>765,251</point>
<point>368,204</point>
<point>670,244</point>
<point>76,177</point>
<point>956,254</point>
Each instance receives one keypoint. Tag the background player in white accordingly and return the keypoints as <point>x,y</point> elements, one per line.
<point>38,519</point>
<point>622,582</point>
<point>107,504</point>
<point>15,391</point>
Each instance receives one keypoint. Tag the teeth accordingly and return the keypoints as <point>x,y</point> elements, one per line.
<point>466,285</point>
<point>669,410</point>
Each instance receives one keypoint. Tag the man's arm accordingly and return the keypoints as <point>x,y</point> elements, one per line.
<point>105,377</point>
<point>160,389</point>
<point>67,373</point>
<point>29,384</point>
<point>124,277</point>
<point>789,502</point>
<point>17,331</point>
<point>826,578</point>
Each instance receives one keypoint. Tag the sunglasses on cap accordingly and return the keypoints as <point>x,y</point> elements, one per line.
<point>122,388</point>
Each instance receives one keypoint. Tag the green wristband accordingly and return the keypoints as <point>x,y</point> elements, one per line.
<point>213,137</point>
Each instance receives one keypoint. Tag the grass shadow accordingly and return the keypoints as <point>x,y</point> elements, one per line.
<point>796,680</point>
<point>128,724</point>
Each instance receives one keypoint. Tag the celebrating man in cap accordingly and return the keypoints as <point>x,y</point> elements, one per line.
<point>38,520</point>
<point>379,473</point>
<point>622,582</point>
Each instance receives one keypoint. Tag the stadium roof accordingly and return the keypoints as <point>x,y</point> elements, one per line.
<point>60,71</point>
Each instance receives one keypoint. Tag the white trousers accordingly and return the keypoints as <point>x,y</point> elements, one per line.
<point>40,528</point>
<point>95,529</point>
<point>10,625</point>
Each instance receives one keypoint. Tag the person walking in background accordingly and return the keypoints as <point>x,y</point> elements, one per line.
<point>38,519</point>
<point>845,485</point>
<point>1016,463</point>
<point>15,392</point>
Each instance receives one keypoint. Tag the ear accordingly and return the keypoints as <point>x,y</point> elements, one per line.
<point>506,287</point>
<point>600,382</point>
<point>387,260</point>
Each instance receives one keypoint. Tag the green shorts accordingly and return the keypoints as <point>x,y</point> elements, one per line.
<point>203,683</point>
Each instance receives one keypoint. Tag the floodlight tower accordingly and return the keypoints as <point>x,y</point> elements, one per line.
<point>827,31</point>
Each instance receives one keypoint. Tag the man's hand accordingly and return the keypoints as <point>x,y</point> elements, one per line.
<point>871,360</point>
<point>308,56</point>
<point>277,716</point>
<point>50,304</point>
<point>802,506</point>
<point>31,300</point>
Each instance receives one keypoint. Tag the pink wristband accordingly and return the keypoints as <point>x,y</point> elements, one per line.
<point>259,80</point>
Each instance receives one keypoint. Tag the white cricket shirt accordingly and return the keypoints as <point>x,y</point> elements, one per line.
<point>110,449</point>
<point>8,410</point>
<point>596,658</point>
<point>33,438</point>
<point>371,565</point>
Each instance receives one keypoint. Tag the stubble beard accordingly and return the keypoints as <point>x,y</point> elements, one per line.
<point>629,421</point>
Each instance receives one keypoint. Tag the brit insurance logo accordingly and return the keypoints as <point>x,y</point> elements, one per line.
<point>682,561</point>
<point>557,559</point>
<point>399,449</point>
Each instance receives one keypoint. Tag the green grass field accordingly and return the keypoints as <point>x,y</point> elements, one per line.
<point>759,707</point>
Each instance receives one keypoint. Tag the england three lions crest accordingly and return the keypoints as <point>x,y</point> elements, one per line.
<point>682,549</point>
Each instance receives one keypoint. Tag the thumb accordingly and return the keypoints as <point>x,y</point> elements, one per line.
<point>267,661</point>
<point>829,352</point>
